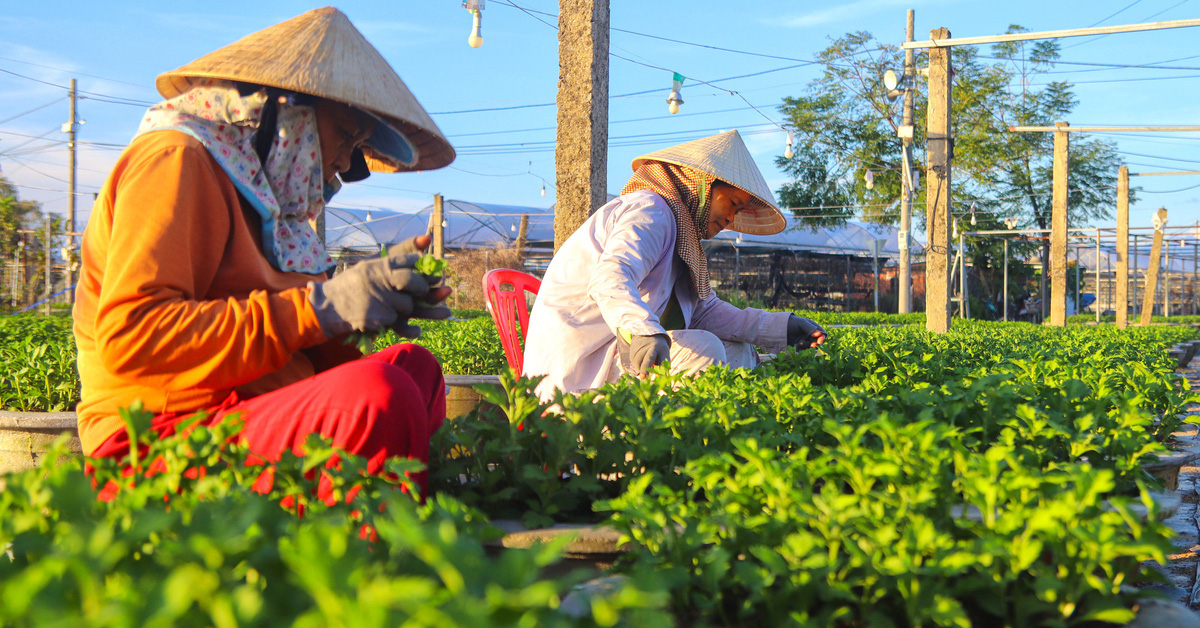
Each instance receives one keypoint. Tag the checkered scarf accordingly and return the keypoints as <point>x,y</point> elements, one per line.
<point>688,193</point>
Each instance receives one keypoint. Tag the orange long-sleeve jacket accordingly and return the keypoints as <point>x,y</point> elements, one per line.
<point>176,304</point>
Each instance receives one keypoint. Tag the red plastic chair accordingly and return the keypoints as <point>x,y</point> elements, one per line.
<point>504,291</point>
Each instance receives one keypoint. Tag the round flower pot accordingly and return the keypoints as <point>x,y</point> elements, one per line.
<point>592,547</point>
<point>1184,448</point>
<point>461,396</point>
<point>25,437</point>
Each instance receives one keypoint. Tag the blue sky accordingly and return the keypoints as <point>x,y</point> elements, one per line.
<point>115,50</point>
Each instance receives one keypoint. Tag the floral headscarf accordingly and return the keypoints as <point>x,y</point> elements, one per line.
<point>288,192</point>
<point>688,193</point>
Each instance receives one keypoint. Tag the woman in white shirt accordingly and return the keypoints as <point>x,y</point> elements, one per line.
<point>630,288</point>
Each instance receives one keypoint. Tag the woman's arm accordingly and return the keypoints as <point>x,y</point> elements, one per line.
<point>767,330</point>
<point>171,225</point>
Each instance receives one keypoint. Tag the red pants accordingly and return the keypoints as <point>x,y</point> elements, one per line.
<point>387,404</point>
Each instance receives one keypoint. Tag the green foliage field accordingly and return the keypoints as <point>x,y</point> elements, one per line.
<point>990,476</point>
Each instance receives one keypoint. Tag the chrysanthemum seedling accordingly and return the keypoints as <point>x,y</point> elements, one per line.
<point>431,268</point>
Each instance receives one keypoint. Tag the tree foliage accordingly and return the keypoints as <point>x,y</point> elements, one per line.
<point>845,126</point>
<point>15,215</point>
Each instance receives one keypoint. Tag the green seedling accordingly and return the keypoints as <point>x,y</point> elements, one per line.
<point>428,266</point>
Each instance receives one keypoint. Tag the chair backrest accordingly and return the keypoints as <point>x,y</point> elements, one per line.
<point>504,291</point>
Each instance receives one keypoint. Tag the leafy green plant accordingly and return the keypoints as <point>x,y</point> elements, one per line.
<point>194,532</point>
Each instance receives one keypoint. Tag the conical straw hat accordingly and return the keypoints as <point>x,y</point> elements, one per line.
<point>322,54</point>
<point>726,157</point>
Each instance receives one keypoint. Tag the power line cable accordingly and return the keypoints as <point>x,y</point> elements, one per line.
<point>73,72</point>
<point>39,107</point>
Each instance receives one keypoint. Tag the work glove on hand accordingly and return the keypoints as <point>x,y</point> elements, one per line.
<point>376,293</point>
<point>803,333</point>
<point>643,352</point>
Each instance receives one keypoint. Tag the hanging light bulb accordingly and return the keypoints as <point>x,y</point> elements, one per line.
<point>444,223</point>
<point>870,179</point>
<point>476,9</point>
<point>674,99</point>
<point>973,222</point>
<point>513,227</point>
<point>787,153</point>
<point>368,215</point>
<point>543,189</point>
<point>954,231</point>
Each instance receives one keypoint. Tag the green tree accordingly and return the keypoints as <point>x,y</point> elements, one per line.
<point>15,216</point>
<point>845,126</point>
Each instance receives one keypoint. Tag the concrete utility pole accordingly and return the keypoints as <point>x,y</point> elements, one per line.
<point>522,238</point>
<point>937,195</point>
<point>1122,280</point>
<point>581,154</point>
<point>904,305</point>
<point>1058,229</point>
<point>71,194</point>
<point>439,233</point>
<point>1160,221</point>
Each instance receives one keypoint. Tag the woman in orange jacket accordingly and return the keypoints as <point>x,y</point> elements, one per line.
<point>204,286</point>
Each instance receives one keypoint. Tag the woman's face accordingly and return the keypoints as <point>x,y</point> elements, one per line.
<point>727,201</point>
<point>340,129</point>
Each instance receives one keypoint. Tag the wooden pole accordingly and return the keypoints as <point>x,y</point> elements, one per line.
<point>1058,229</point>
<point>581,153</point>
<point>937,195</point>
<point>1122,281</point>
<point>1160,221</point>
<point>439,233</point>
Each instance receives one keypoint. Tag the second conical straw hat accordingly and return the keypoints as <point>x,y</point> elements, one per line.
<point>726,157</point>
<point>321,53</point>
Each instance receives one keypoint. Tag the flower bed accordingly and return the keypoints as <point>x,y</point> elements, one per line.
<point>824,488</point>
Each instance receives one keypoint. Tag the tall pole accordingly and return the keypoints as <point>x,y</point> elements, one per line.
<point>1160,221</point>
<point>1058,229</point>
<point>1097,274</point>
<point>1078,285</point>
<point>875,268</point>
<point>1134,299</point>
<point>522,238</point>
<point>962,275</point>
<point>71,195</point>
<point>581,152</point>
<point>937,195</point>
<point>1006,278</point>
<point>46,293</point>
<point>1166,303</point>
<point>439,233</point>
<point>1195,272</point>
<point>1122,280</point>
<point>904,304</point>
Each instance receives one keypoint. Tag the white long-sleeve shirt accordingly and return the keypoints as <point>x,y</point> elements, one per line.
<point>617,272</point>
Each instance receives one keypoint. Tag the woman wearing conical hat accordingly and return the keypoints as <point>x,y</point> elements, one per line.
<point>630,288</point>
<point>203,285</point>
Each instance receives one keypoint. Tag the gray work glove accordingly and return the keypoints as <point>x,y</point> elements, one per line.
<point>643,352</point>
<point>802,333</point>
<point>376,293</point>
